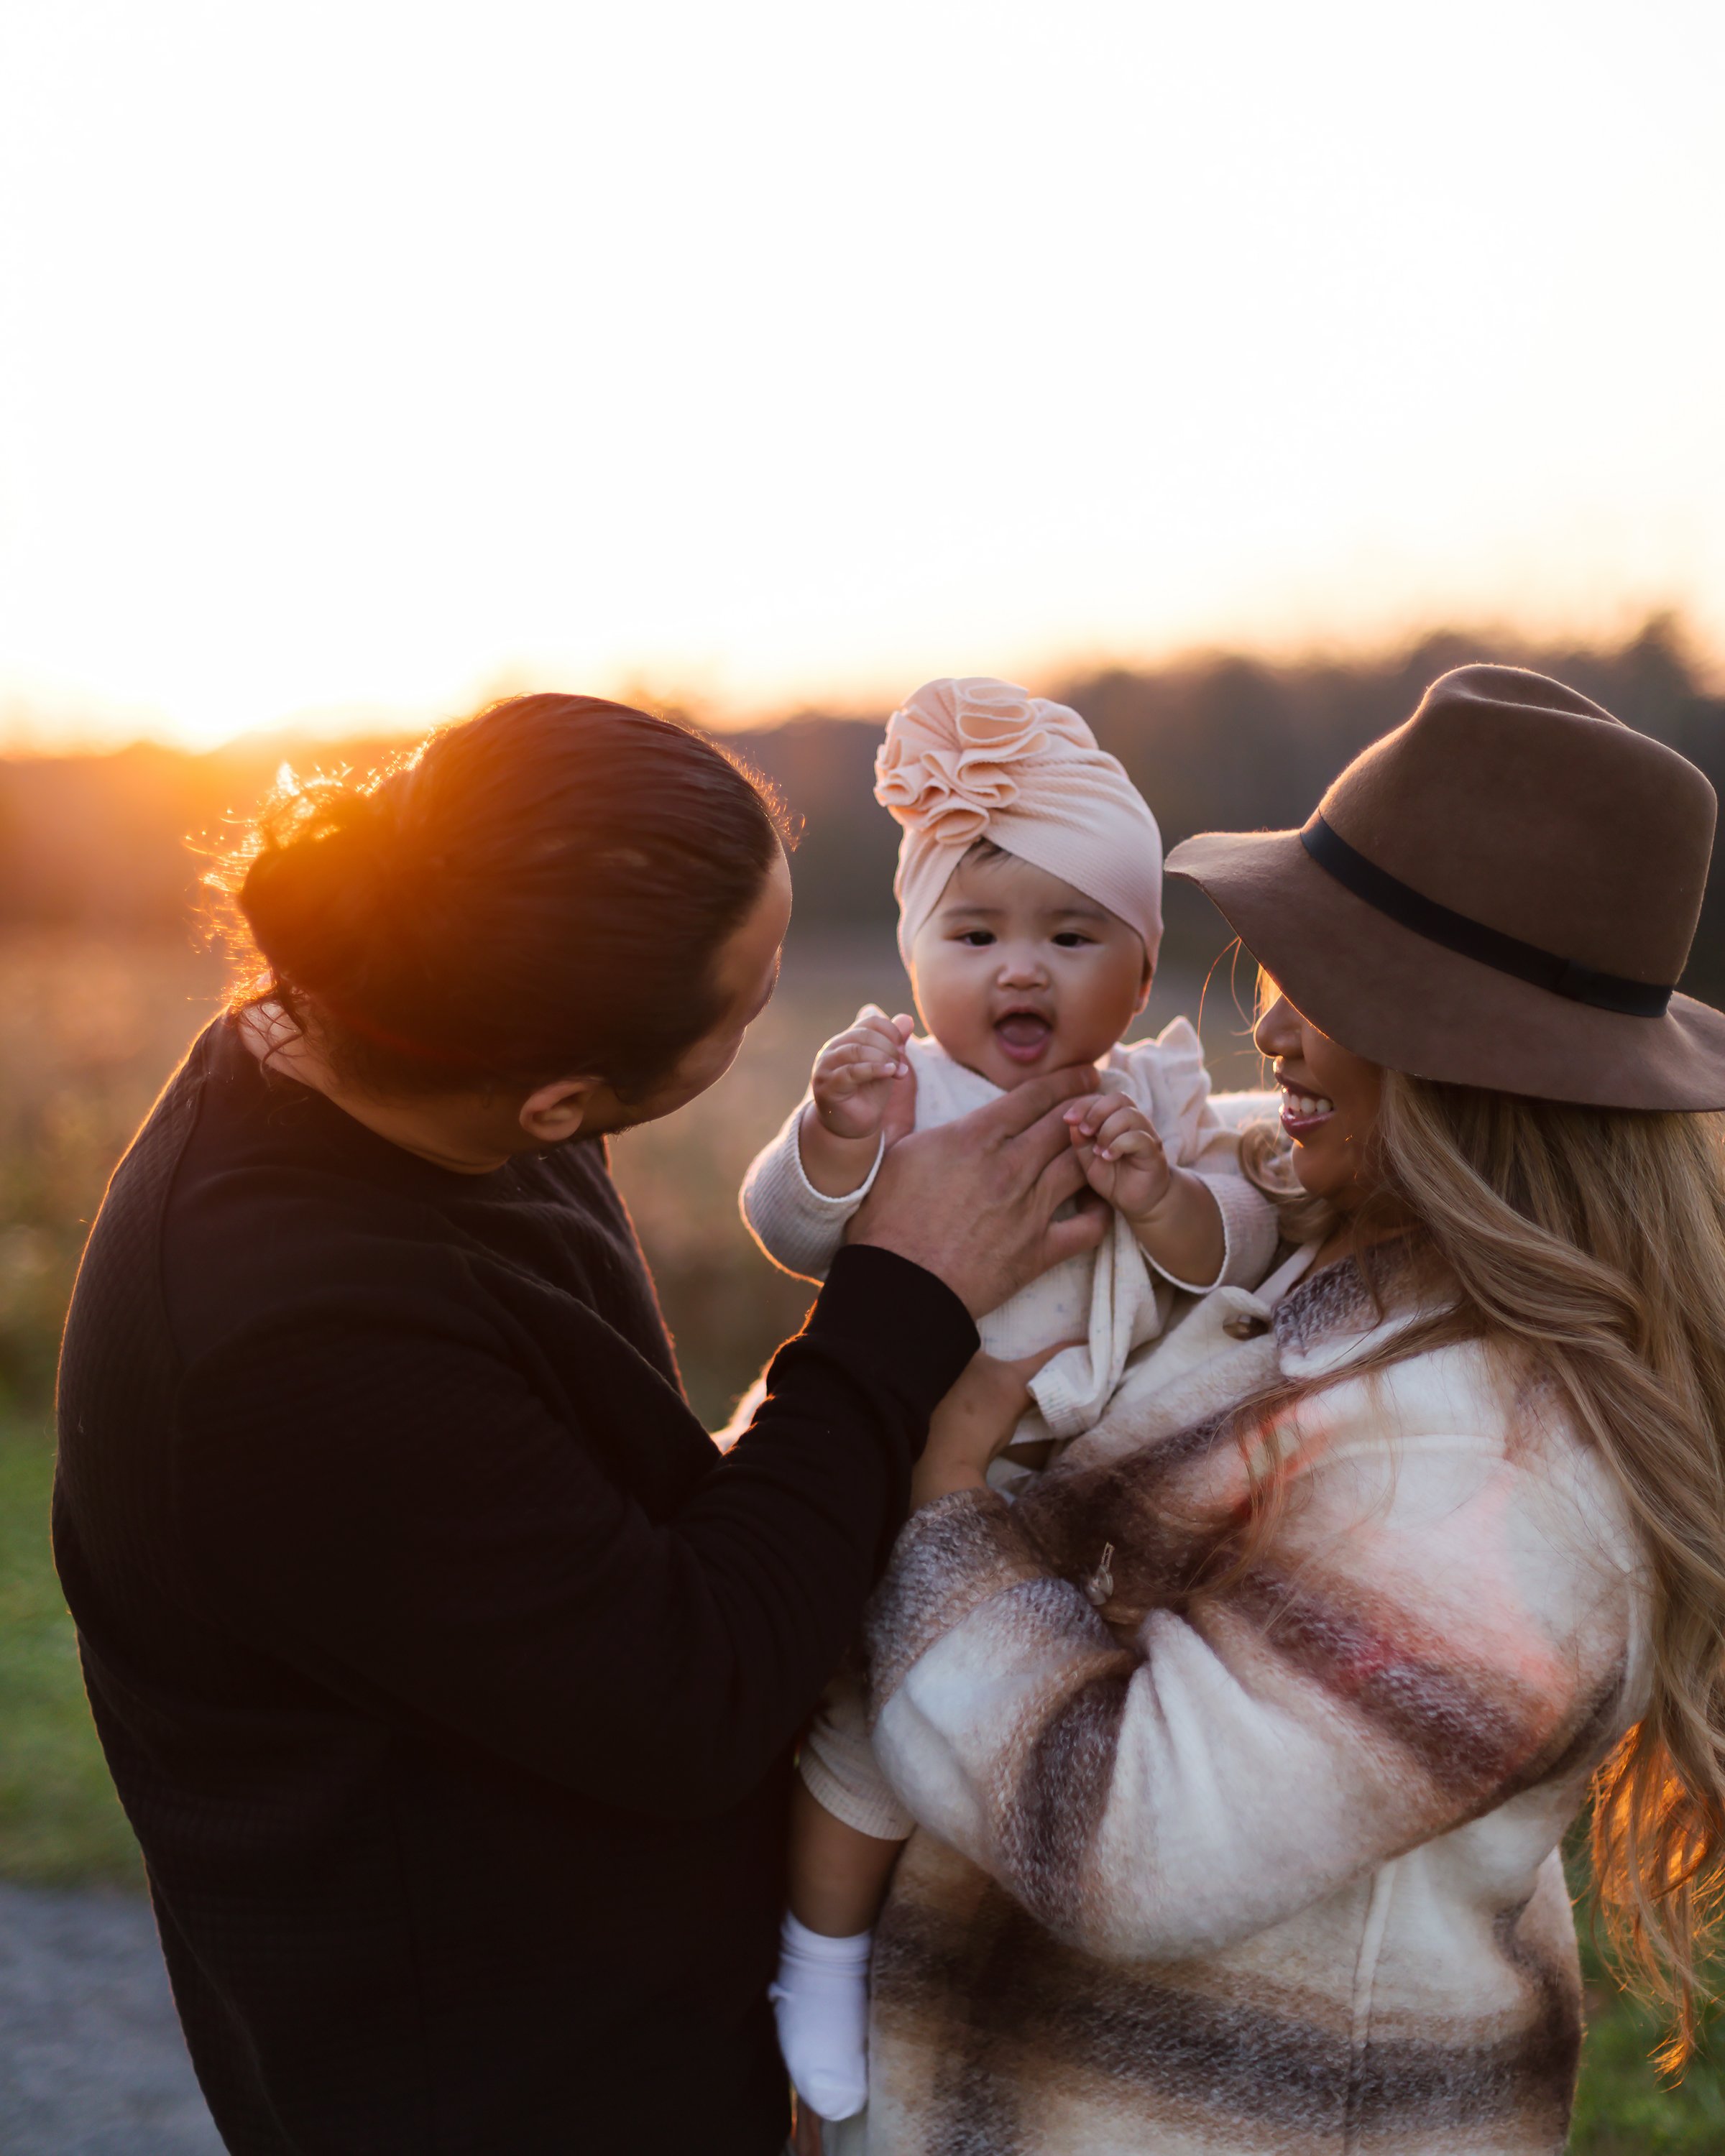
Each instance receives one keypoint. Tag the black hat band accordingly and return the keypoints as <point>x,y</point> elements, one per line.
<point>1472,939</point>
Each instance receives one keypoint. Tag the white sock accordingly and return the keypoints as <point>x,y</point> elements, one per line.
<point>821,2003</point>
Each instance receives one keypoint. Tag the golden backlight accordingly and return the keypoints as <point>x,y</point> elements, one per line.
<point>359,357</point>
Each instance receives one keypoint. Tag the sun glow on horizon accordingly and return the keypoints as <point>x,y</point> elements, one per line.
<point>363,360</point>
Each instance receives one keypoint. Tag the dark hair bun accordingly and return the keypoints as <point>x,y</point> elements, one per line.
<point>326,855</point>
<point>538,892</point>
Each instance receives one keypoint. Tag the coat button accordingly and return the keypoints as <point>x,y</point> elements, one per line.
<point>1245,1326</point>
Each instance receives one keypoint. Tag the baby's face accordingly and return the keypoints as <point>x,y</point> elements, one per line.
<point>1016,973</point>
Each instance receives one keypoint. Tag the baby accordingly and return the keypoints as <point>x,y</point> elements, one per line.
<point>1029,890</point>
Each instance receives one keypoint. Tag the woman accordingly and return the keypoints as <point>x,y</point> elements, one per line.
<point>1244,1746</point>
<point>447,1675</point>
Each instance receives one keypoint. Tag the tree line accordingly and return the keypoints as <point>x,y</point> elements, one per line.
<point>119,843</point>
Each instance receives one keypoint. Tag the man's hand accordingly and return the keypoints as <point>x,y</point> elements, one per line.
<point>974,1200</point>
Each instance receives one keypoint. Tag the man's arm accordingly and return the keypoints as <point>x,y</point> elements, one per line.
<point>398,1515</point>
<point>369,1490</point>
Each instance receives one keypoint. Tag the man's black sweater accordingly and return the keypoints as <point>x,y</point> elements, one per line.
<point>449,1675</point>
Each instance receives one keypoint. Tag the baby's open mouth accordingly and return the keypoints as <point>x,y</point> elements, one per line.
<point>1023,1034</point>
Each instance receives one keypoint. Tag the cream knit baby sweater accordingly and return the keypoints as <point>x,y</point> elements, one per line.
<point>1114,1299</point>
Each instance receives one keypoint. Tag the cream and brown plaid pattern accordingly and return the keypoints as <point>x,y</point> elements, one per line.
<point>1268,1864</point>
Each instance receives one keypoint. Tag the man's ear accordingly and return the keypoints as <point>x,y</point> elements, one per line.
<point>557,1109</point>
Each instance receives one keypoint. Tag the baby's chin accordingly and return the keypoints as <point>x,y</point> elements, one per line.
<point>990,1058</point>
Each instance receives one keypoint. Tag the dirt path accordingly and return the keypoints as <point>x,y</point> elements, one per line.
<point>91,2060</point>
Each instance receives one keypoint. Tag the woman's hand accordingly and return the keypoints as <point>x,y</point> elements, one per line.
<point>974,1424</point>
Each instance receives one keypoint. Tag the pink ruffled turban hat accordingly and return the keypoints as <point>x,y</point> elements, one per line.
<point>983,759</point>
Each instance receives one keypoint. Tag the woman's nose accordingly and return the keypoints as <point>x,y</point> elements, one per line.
<point>1276,1032</point>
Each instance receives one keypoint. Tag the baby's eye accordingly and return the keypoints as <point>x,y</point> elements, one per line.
<point>977,938</point>
<point>1070,939</point>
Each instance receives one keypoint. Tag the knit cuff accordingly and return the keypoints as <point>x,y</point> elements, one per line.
<point>864,1802</point>
<point>798,1226</point>
<point>1066,1409</point>
<point>1251,1227</point>
<point>1248,1236</point>
<point>822,1201</point>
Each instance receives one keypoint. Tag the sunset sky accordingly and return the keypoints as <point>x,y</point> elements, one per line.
<point>358,359</point>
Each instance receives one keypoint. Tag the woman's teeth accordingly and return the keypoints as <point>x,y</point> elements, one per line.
<point>1306,1107</point>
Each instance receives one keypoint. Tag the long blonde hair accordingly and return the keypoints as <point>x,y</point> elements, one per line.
<point>1589,1244</point>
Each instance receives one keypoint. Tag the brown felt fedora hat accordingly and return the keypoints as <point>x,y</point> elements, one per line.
<point>1502,892</point>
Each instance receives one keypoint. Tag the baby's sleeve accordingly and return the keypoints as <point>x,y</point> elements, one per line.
<point>1172,1074</point>
<point>799,1227</point>
<point>839,1768</point>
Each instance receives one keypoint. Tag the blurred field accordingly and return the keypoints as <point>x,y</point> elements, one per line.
<point>93,1024</point>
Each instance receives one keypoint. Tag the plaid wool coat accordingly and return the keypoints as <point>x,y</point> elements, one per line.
<point>1272,1865</point>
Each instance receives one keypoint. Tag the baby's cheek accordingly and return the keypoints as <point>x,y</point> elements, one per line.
<point>956,1009</point>
<point>1094,1013</point>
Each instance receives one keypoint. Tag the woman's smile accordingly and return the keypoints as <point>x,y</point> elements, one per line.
<point>1303,1107</point>
<point>1329,1100</point>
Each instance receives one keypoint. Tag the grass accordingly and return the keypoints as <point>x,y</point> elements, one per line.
<point>94,1027</point>
<point>1623,2107</point>
<point>60,1823</point>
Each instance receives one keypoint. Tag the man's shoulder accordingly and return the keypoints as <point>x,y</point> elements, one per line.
<point>118,1301</point>
<point>149,1165</point>
<point>215,1223</point>
<point>260,1218</point>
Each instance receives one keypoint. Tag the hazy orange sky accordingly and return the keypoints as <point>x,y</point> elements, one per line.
<point>356,359</point>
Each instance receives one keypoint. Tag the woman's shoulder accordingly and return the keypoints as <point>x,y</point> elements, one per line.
<point>1354,1346</point>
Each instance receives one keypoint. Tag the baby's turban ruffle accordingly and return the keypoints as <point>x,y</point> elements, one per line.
<point>978,758</point>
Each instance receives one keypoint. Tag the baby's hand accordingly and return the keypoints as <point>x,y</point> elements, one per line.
<point>1120,1154</point>
<point>854,1073</point>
